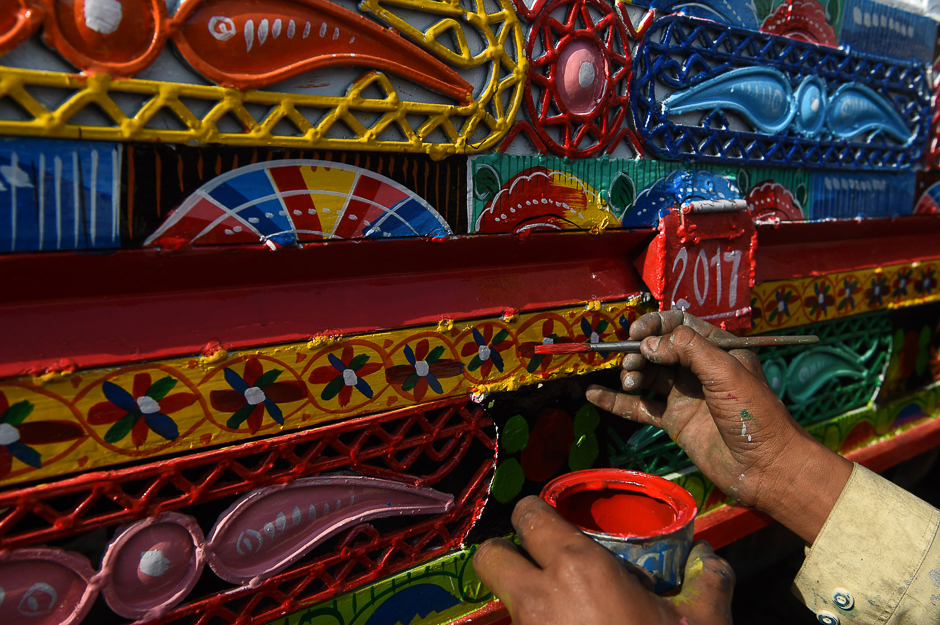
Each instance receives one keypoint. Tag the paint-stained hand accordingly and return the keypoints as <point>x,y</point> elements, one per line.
<point>569,579</point>
<point>718,407</point>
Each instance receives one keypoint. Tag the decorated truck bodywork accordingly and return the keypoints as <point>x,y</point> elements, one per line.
<point>274,272</point>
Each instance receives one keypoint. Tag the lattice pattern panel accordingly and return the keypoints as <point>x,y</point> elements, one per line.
<point>771,124</point>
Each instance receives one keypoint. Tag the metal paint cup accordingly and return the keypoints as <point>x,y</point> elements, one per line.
<point>646,521</point>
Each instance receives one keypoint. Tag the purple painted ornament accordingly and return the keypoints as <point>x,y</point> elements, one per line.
<point>45,586</point>
<point>150,566</point>
<point>268,529</point>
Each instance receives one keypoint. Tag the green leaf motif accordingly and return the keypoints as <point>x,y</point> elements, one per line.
<point>268,377</point>
<point>622,193</point>
<point>17,413</point>
<point>356,363</point>
<point>500,337</point>
<point>160,388</point>
<point>515,435</point>
<point>410,382</point>
<point>332,389</point>
<point>435,354</point>
<point>486,183</point>
<point>122,428</point>
<point>241,415</point>
<point>508,481</point>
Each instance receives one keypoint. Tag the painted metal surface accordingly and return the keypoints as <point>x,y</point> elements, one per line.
<point>152,565</point>
<point>832,112</point>
<point>153,409</point>
<point>266,531</point>
<point>59,195</point>
<point>703,262</point>
<point>888,31</point>
<point>45,586</point>
<point>290,202</point>
<point>439,436</point>
<point>246,45</point>
<point>787,303</point>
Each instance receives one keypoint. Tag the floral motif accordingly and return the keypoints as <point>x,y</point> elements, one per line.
<point>927,282</point>
<point>424,370</point>
<point>785,298</point>
<point>542,362</point>
<point>487,348</point>
<point>253,394</point>
<point>756,311</point>
<point>847,294</point>
<point>593,332</point>
<point>140,412</point>
<point>821,302</point>
<point>901,282</point>
<point>876,292</point>
<point>17,437</point>
<point>344,373</point>
<point>623,331</point>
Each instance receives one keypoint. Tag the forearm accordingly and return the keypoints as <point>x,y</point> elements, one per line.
<point>803,484</point>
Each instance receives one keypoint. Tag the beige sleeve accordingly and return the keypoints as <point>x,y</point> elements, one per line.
<point>876,559</point>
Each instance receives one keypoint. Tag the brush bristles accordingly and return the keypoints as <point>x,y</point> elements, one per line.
<point>563,348</point>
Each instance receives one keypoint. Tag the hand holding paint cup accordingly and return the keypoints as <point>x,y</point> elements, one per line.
<point>644,520</point>
<point>559,575</point>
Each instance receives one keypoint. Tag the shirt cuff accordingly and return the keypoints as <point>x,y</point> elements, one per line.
<point>866,560</point>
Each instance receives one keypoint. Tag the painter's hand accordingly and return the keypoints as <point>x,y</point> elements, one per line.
<point>718,407</point>
<point>570,579</point>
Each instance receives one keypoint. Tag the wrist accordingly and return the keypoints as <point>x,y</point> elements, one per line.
<point>803,484</point>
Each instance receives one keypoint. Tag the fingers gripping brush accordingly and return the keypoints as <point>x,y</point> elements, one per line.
<point>633,347</point>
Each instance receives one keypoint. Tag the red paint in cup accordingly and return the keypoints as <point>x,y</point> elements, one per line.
<point>644,519</point>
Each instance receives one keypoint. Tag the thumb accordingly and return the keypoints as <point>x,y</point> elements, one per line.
<point>707,587</point>
<point>686,347</point>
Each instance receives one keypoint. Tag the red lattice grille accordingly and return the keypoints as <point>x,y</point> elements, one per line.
<point>435,437</point>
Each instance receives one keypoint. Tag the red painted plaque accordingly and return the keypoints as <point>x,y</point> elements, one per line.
<point>702,261</point>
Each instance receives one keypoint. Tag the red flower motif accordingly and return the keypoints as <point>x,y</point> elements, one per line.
<point>424,368</point>
<point>542,362</point>
<point>107,412</point>
<point>486,350</point>
<point>344,373</point>
<point>17,437</point>
<point>253,393</point>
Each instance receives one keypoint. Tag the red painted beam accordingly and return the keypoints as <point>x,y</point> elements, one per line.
<point>728,524</point>
<point>794,250</point>
<point>108,308</point>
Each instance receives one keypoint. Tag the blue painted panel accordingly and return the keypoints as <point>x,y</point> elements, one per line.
<point>847,196</point>
<point>707,92</point>
<point>868,26</point>
<point>59,195</point>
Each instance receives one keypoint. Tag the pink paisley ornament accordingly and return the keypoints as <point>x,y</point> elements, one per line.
<point>45,586</point>
<point>269,529</point>
<point>150,566</point>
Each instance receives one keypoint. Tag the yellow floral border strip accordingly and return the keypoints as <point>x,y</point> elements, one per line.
<point>467,129</point>
<point>94,418</point>
<point>788,303</point>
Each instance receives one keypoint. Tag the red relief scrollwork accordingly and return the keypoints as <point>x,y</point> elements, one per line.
<point>245,44</point>
<point>249,44</point>
<point>579,72</point>
<point>106,36</point>
<point>18,20</point>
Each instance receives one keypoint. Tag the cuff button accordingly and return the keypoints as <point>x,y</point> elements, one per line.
<point>827,618</point>
<point>843,599</point>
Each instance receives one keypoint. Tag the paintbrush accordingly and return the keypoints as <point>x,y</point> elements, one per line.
<point>633,347</point>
